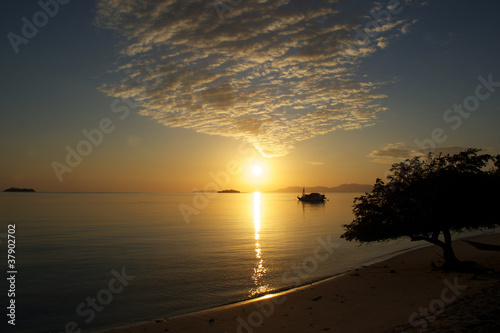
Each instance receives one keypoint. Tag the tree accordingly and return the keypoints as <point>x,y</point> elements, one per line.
<point>425,198</point>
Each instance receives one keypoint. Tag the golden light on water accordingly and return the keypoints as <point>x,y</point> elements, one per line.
<point>260,270</point>
<point>256,213</point>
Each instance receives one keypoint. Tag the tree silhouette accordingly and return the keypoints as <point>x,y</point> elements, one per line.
<point>425,198</point>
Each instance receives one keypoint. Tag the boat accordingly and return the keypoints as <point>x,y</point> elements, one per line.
<point>311,197</point>
<point>228,191</point>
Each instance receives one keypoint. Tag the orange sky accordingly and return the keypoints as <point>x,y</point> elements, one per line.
<point>162,105</point>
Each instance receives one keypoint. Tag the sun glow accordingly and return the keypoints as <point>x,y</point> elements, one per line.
<point>256,173</point>
<point>257,170</point>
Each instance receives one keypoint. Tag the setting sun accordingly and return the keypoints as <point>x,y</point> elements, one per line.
<point>205,153</point>
<point>256,173</point>
<point>257,170</point>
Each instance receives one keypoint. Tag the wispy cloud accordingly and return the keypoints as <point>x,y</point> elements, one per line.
<point>271,72</point>
<point>397,152</point>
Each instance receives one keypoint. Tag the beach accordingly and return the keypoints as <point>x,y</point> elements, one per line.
<point>401,294</point>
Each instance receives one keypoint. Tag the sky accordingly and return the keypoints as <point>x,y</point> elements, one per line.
<point>176,96</point>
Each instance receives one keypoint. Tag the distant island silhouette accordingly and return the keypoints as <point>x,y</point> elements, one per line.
<point>344,188</point>
<point>228,191</point>
<point>16,189</point>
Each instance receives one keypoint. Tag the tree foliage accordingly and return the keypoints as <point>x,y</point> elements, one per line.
<point>426,197</point>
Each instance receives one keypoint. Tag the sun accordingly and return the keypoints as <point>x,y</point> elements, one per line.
<point>257,170</point>
<point>256,173</point>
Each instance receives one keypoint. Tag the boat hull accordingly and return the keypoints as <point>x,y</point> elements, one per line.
<point>312,198</point>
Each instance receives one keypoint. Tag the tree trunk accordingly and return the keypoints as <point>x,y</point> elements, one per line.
<point>450,260</point>
<point>448,253</point>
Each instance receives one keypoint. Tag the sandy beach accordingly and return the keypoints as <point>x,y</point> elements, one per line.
<point>400,294</point>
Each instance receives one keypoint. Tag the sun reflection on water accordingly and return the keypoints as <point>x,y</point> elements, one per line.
<point>256,213</point>
<point>260,270</point>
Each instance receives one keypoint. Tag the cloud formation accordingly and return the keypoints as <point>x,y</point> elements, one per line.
<point>398,152</point>
<point>268,72</point>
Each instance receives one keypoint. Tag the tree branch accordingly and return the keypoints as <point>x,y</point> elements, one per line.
<point>430,240</point>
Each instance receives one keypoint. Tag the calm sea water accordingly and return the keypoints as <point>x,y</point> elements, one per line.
<point>68,244</point>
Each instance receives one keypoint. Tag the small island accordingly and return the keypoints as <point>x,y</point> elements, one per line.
<point>228,191</point>
<point>16,189</point>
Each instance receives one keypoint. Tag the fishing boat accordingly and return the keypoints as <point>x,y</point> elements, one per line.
<point>311,197</point>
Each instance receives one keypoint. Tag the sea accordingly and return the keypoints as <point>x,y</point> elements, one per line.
<point>86,262</point>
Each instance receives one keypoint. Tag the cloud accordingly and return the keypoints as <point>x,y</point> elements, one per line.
<point>271,73</point>
<point>397,152</point>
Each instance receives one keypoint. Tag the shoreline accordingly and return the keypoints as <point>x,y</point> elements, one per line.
<point>291,309</point>
<point>277,292</point>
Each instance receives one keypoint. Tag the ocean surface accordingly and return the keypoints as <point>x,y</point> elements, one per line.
<point>93,261</point>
